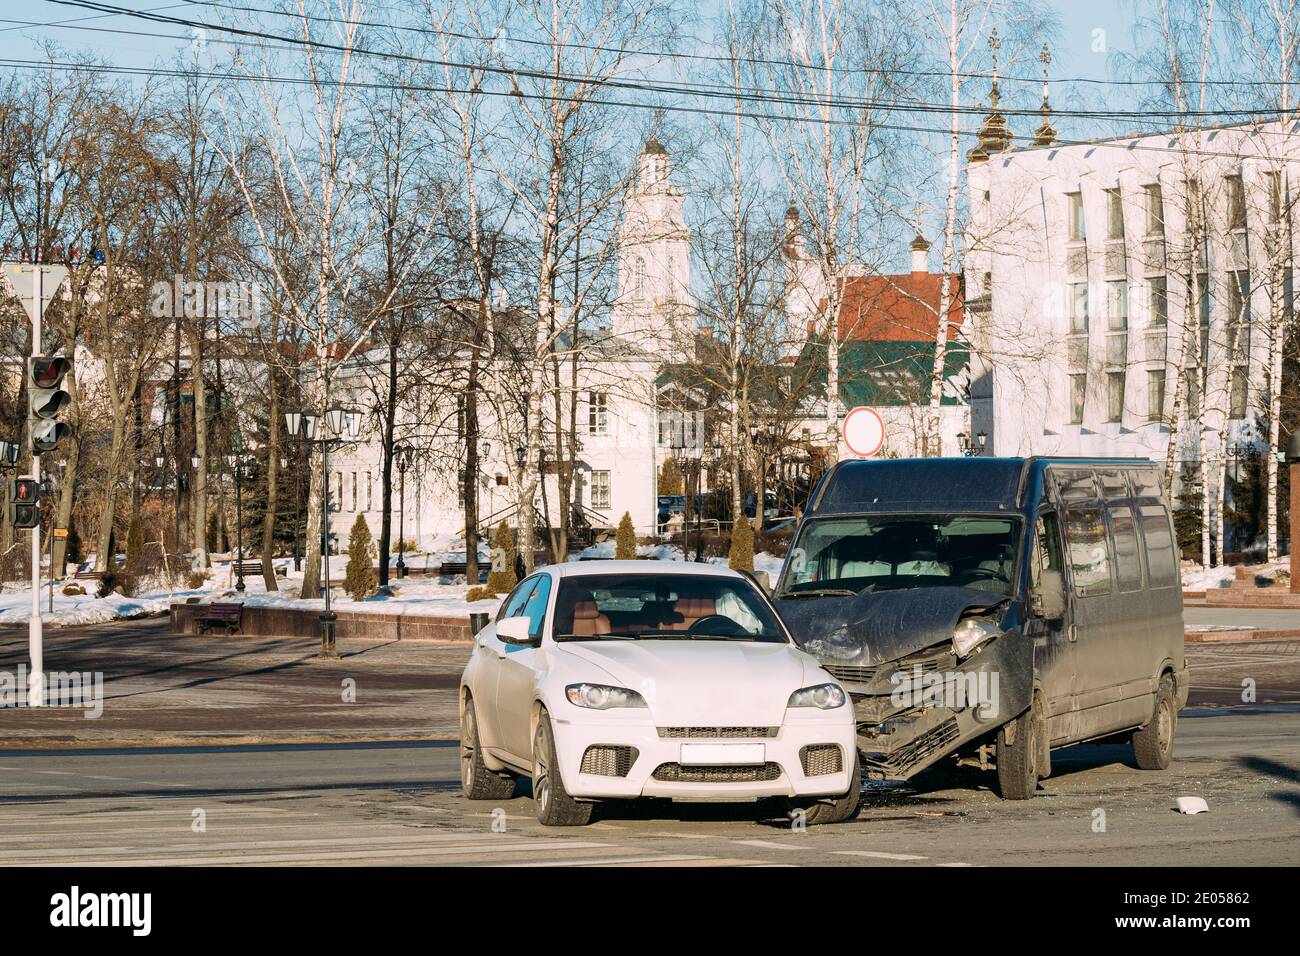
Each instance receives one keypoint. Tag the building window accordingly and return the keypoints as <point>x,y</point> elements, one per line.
<point>1079,307</point>
<point>1237,393</point>
<point>1273,179</point>
<point>1117,305</point>
<point>600,489</point>
<point>1236,202</point>
<point>1155,395</point>
<point>1155,210</point>
<point>354,492</point>
<point>1077,231</point>
<point>1114,396</point>
<point>1239,296</point>
<point>1114,214</point>
<point>337,503</point>
<point>1158,302</point>
<point>460,416</point>
<point>597,413</point>
<point>1078,394</point>
<point>638,278</point>
<point>1193,396</point>
<point>370,492</point>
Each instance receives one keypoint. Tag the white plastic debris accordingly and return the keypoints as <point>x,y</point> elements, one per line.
<point>1192,805</point>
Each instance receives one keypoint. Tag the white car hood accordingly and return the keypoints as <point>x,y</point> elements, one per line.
<point>705,683</point>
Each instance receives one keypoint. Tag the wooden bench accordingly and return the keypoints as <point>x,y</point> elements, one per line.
<point>453,568</point>
<point>249,568</point>
<point>227,615</point>
<point>87,576</point>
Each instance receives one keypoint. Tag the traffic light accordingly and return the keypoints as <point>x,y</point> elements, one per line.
<point>24,502</point>
<point>45,374</point>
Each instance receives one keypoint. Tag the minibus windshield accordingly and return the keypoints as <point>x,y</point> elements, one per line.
<point>856,554</point>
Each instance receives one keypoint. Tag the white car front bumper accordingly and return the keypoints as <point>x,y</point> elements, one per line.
<point>657,769</point>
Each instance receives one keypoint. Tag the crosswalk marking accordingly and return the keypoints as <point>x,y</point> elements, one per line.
<point>877,854</point>
<point>767,844</point>
<point>350,856</point>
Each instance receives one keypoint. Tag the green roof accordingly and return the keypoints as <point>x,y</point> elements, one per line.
<point>886,373</point>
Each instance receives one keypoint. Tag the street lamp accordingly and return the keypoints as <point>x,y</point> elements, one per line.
<point>403,462</point>
<point>237,464</point>
<point>338,426</point>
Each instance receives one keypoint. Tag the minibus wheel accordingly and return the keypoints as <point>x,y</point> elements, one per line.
<point>1018,753</point>
<point>1153,745</point>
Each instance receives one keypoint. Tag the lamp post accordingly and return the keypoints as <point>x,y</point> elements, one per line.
<point>971,449</point>
<point>339,426</point>
<point>403,462</point>
<point>1237,452</point>
<point>237,470</point>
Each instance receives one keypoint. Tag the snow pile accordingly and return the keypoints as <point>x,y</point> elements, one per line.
<point>16,607</point>
<point>1196,577</point>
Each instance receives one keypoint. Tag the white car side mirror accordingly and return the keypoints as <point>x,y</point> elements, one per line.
<point>514,630</point>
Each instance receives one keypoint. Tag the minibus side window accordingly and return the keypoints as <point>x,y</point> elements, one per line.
<point>1086,546</point>
<point>1128,563</point>
<point>1047,547</point>
<point>1162,564</point>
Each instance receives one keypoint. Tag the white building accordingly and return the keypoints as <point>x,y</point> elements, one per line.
<point>1080,285</point>
<point>622,438</point>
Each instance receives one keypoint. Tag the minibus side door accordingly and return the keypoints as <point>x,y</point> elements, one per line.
<point>1054,657</point>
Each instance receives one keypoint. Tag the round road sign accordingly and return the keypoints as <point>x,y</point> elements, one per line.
<point>864,431</point>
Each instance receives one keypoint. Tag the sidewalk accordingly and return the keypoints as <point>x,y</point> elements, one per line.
<point>163,689</point>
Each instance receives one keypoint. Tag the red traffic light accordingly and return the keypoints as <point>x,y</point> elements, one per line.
<point>24,490</point>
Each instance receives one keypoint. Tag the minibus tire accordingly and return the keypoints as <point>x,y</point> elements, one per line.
<point>1153,745</point>
<point>1017,761</point>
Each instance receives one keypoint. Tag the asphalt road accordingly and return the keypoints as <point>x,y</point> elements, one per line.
<point>398,802</point>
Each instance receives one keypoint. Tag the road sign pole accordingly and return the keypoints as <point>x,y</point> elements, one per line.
<point>35,639</point>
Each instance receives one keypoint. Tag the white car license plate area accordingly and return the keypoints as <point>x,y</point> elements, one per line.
<point>696,755</point>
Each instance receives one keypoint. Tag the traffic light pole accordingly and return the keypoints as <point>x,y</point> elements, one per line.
<point>35,638</point>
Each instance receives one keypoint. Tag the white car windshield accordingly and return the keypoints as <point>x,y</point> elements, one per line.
<point>662,607</point>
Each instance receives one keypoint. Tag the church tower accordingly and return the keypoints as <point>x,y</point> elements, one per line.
<point>652,311</point>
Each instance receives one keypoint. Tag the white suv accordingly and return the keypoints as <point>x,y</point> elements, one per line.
<point>620,679</point>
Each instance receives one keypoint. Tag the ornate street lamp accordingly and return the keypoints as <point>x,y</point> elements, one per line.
<point>339,426</point>
<point>403,455</point>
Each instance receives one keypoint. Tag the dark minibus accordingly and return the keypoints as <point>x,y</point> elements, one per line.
<point>993,609</point>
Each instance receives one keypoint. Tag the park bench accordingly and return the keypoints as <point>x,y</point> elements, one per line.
<point>87,576</point>
<point>227,615</point>
<point>248,568</point>
<point>453,568</point>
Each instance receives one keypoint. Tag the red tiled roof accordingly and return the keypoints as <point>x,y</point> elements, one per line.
<point>898,308</point>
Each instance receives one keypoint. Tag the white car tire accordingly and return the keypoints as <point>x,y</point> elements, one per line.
<point>555,808</point>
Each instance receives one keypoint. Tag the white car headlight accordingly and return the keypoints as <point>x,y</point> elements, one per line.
<point>821,696</point>
<point>970,634</point>
<point>602,697</point>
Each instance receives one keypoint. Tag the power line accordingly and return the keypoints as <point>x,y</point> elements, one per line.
<point>667,54</point>
<point>1124,143</point>
<point>660,87</point>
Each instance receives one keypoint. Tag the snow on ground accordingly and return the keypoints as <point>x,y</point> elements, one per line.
<point>1199,578</point>
<point>16,607</point>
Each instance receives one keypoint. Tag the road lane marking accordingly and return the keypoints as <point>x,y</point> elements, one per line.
<point>767,844</point>
<point>877,854</point>
<point>351,856</point>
